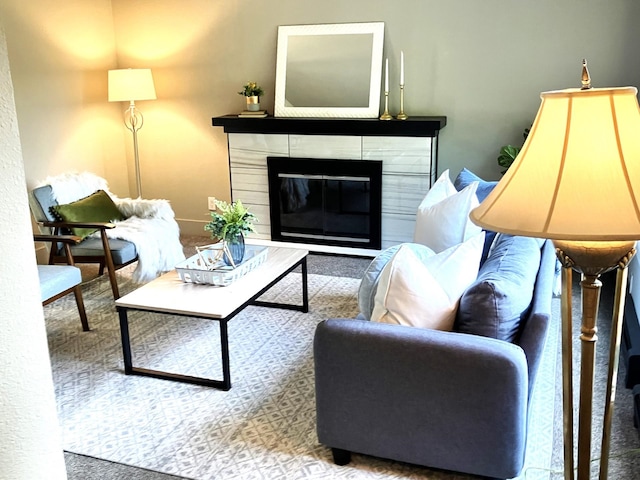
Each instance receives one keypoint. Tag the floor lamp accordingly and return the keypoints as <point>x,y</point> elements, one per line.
<point>576,181</point>
<point>131,84</point>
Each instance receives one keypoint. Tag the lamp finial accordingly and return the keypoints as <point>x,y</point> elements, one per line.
<point>586,78</point>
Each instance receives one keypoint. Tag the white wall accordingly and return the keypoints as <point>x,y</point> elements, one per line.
<point>30,446</point>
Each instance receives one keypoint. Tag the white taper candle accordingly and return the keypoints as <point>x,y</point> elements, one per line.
<point>386,76</point>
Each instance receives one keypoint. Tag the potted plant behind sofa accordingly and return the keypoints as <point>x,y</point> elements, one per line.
<point>508,153</point>
<point>230,223</point>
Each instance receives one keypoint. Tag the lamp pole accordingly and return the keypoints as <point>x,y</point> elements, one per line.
<point>134,120</point>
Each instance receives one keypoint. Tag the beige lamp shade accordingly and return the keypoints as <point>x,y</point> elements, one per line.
<point>131,84</point>
<point>577,176</point>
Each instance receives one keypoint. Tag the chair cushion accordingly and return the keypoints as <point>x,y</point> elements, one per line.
<point>425,293</point>
<point>122,251</point>
<point>55,279</point>
<point>443,220</point>
<point>97,207</point>
<point>498,301</point>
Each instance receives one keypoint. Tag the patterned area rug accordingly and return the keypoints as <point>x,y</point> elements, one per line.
<point>263,428</point>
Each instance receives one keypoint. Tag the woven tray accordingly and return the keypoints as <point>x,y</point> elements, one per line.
<point>203,268</point>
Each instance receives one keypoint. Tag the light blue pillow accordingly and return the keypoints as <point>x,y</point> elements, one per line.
<point>466,177</point>
<point>370,279</point>
<point>498,301</point>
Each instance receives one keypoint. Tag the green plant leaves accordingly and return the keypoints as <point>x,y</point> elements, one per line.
<point>230,220</point>
<point>508,154</point>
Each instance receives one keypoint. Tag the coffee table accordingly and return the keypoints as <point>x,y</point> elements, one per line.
<point>169,294</point>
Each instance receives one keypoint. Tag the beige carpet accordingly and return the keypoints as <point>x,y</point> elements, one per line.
<point>264,427</point>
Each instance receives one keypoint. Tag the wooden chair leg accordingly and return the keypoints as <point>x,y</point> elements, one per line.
<point>110,267</point>
<point>77,291</point>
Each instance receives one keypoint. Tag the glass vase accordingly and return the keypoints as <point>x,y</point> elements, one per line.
<point>235,245</point>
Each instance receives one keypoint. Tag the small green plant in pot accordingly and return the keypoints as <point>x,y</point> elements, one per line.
<point>230,223</point>
<point>252,92</point>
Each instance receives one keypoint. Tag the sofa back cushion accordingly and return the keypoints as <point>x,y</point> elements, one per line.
<point>497,303</point>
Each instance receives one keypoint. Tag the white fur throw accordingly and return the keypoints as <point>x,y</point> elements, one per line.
<point>149,224</point>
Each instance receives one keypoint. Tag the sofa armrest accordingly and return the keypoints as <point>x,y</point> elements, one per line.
<point>442,399</point>
<point>535,331</point>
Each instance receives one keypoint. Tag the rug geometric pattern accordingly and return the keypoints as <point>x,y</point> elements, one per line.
<point>263,428</point>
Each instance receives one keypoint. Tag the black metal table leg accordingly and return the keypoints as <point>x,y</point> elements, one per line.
<point>126,340</point>
<point>129,369</point>
<point>287,306</point>
<point>224,346</point>
<point>225,383</point>
<point>305,287</point>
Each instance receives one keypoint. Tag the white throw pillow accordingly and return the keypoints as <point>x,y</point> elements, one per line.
<point>426,293</point>
<point>443,219</point>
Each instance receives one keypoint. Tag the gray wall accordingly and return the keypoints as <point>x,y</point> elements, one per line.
<point>482,64</point>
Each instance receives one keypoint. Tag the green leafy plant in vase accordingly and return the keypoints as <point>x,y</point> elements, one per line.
<point>252,92</point>
<point>230,222</point>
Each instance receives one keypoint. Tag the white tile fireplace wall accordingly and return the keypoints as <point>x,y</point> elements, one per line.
<point>408,171</point>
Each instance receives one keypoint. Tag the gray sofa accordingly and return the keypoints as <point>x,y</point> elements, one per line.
<point>448,400</point>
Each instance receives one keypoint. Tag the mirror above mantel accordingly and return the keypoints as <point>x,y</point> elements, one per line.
<point>330,71</point>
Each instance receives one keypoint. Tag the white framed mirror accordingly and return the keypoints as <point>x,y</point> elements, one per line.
<point>331,70</point>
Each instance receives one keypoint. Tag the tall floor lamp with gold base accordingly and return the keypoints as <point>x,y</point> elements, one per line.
<point>576,181</point>
<point>129,85</point>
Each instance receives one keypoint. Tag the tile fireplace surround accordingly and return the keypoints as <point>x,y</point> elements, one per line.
<point>408,150</point>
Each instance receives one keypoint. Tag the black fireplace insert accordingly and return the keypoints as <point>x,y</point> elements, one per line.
<point>325,201</point>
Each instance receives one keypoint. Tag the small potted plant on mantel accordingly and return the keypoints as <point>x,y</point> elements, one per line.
<point>230,223</point>
<point>252,92</point>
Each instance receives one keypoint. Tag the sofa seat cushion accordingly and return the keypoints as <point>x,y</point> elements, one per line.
<point>496,304</point>
<point>425,293</point>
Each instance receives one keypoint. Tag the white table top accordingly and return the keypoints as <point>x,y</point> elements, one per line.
<point>169,294</point>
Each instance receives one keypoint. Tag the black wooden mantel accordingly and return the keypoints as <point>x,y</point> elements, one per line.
<point>412,127</point>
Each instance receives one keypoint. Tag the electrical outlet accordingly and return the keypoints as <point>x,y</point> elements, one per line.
<point>212,203</point>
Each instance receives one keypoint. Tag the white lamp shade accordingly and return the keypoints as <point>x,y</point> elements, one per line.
<point>577,176</point>
<point>131,84</point>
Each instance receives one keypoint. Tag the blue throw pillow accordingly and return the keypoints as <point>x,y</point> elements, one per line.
<point>498,301</point>
<point>466,177</point>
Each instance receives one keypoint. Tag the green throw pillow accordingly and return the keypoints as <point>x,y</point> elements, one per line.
<point>97,207</point>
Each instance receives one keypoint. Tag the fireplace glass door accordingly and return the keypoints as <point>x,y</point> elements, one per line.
<point>323,201</point>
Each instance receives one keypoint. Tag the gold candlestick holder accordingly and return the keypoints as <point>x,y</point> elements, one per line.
<point>401,115</point>
<point>386,115</point>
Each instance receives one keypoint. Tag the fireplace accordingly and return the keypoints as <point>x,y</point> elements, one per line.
<point>407,149</point>
<point>325,201</point>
